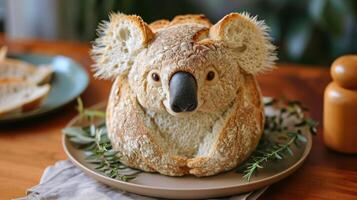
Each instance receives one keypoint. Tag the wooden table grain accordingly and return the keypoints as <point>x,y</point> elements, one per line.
<point>26,148</point>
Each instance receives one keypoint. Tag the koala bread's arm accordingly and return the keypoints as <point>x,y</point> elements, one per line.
<point>130,133</point>
<point>243,128</point>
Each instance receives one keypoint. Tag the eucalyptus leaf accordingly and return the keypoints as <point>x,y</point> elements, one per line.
<point>301,138</point>
<point>74,131</point>
<point>79,141</point>
<point>77,134</point>
<point>110,153</point>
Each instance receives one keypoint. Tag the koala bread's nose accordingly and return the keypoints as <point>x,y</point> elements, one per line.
<point>183,92</point>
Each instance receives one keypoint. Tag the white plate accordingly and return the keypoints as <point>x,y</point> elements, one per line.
<point>190,187</point>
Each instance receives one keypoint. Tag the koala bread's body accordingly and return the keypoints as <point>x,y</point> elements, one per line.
<point>227,122</point>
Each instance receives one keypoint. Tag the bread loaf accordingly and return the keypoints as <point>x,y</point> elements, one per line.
<point>185,99</point>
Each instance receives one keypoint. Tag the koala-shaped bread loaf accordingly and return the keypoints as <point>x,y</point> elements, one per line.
<point>185,99</point>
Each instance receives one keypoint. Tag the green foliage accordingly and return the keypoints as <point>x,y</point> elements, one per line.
<point>279,136</point>
<point>89,114</point>
<point>93,140</point>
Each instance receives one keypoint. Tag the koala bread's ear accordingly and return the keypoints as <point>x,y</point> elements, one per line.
<point>249,38</point>
<point>118,43</point>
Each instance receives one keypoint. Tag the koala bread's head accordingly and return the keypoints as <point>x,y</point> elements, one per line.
<point>185,65</point>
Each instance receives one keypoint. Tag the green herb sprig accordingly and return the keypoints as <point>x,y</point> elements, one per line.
<point>88,114</point>
<point>93,139</point>
<point>279,136</point>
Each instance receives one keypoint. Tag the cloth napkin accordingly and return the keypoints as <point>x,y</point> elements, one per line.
<point>64,181</point>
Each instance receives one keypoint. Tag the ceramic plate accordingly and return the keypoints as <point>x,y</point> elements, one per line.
<point>69,80</point>
<point>224,184</point>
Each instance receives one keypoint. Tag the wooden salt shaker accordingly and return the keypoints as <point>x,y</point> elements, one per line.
<point>340,106</point>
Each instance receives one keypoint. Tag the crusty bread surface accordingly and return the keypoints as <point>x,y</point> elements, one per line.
<point>228,122</point>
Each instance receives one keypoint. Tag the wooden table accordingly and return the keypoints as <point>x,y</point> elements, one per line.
<point>26,148</point>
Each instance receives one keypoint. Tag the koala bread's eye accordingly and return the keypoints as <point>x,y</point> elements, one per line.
<point>155,77</point>
<point>210,75</point>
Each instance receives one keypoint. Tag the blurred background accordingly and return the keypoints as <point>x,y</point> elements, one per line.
<point>305,31</point>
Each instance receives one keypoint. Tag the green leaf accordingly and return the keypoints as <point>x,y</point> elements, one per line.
<point>80,141</point>
<point>95,161</point>
<point>278,156</point>
<point>290,151</point>
<point>77,135</point>
<point>94,113</point>
<point>80,106</point>
<point>92,129</point>
<point>73,131</point>
<point>110,153</point>
<point>127,178</point>
<point>301,138</point>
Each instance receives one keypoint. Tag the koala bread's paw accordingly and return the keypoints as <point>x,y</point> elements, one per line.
<point>174,166</point>
<point>179,161</point>
<point>201,166</point>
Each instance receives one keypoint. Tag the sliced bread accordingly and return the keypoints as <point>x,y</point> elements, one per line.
<point>12,70</point>
<point>19,97</point>
<point>21,84</point>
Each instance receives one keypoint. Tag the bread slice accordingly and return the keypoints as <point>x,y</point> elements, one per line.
<point>18,97</point>
<point>12,71</point>
<point>20,82</point>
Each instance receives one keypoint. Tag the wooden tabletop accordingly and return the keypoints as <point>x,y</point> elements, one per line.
<point>26,148</point>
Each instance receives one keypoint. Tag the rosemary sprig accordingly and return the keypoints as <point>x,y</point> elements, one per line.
<point>260,157</point>
<point>279,136</point>
<point>93,139</point>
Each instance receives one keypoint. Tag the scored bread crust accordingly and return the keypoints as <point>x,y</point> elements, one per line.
<point>158,24</point>
<point>197,19</point>
<point>133,138</point>
<point>239,136</point>
<point>180,19</point>
<point>139,148</point>
<point>144,138</point>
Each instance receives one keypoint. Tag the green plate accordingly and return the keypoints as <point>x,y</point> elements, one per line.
<point>69,80</point>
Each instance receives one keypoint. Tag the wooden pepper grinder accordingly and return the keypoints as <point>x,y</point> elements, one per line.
<point>340,106</point>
